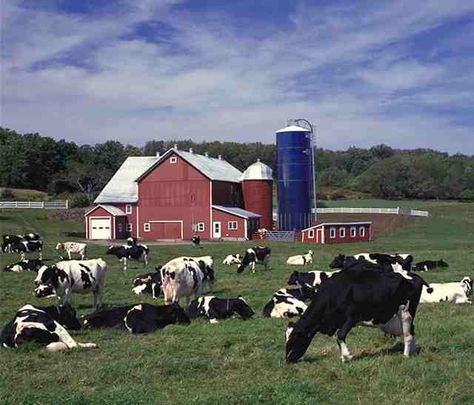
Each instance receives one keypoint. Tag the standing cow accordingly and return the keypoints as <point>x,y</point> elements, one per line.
<point>181,279</point>
<point>73,247</point>
<point>129,252</point>
<point>257,254</point>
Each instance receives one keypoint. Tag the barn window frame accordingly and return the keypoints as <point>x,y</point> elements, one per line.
<point>129,227</point>
<point>173,160</point>
<point>332,232</point>
<point>128,209</point>
<point>311,234</point>
<point>232,225</point>
<point>146,227</point>
<point>200,227</point>
<point>362,231</point>
<point>342,232</point>
<point>353,231</point>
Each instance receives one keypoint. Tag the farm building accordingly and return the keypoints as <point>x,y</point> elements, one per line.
<point>337,232</point>
<point>181,194</point>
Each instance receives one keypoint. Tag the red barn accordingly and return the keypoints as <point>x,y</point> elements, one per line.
<point>178,195</point>
<point>337,232</point>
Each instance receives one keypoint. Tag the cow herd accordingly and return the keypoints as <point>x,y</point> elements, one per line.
<point>372,289</point>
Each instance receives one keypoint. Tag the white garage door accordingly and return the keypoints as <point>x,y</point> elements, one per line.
<point>101,228</point>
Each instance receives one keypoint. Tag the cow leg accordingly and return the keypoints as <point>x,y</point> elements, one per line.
<point>408,330</point>
<point>266,262</point>
<point>145,259</point>
<point>341,339</point>
<point>69,254</point>
<point>252,266</point>
<point>40,254</point>
<point>22,256</point>
<point>124,263</point>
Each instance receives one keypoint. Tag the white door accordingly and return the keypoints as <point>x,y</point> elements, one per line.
<point>101,228</point>
<point>216,229</point>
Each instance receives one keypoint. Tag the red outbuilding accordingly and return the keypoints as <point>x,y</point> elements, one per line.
<point>106,222</point>
<point>337,232</point>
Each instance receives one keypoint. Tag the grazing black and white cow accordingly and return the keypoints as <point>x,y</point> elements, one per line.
<point>457,293</point>
<point>215,309</point>
<point>24,265</point>
<point>148,283</point>
<point>429,265</point>
<point>232,259</point>
<point>73,247</point>
<point>129,252</point>
<point>143,318</point>
<point>64,278</point>
<point>310,278</point>
<point>300,260</point>
<point>181,279</point>
<point>358,295</point>
<point>44,325</point>
<point>257,254</point>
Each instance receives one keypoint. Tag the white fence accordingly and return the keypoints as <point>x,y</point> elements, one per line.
<point>52,205</point>
<point>393,211</point>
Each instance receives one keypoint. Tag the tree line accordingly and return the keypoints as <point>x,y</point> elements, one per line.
<point>42,163</point>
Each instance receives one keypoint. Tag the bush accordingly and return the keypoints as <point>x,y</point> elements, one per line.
<point>5,193</point>
<point>79,201</point>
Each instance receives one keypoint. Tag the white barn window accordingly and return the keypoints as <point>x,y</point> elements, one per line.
<point>146,227</point>
<point>332,232</point>
<point>353,231</point>
<point>173,160</point>
<point>342,232</point>
<point>362,231</point>
<point>232,225</point>
<point>311,234</point>
<point>128,209</point>
<point>200,227</point>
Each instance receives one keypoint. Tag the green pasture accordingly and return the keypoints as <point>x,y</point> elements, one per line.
<point>241,362</point>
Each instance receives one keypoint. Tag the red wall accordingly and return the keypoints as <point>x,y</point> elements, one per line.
<point>174,192</point>
<point>131,218</point>
<point>258,199</point>
<point>224,218</point>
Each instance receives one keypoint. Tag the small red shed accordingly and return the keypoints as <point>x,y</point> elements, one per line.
<point>106,222</point>
<point>338,232</point>
<point>233,223</point>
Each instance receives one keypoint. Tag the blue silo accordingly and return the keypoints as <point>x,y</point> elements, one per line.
<point>295,181</point>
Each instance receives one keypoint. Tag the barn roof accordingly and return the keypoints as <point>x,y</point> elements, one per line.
<point>116,212</point>
<point>337,223</point>
<point>122,187</point>
<point>213,168</point>
<point>237,211</point>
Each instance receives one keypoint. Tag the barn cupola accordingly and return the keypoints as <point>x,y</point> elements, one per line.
<point>257,188</point>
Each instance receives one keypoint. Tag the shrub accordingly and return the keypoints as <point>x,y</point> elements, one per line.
<point>5,193</point>
<point>79,201</point>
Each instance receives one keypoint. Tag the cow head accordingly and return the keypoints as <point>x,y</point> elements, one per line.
<point>208,271</point>
<point>310,252</point>
<point>297,342</point>
<point>59,246</point>
<point>194,309</point>
<point>44,290</point>
<point>66,316</point>
<point>442,263</point>
<point>111,250</point>
<point>293,280</point>
<point>467,283</point>
<point>132,241</point>
<point>148,283</point>
<point>405,263</point>
<point>338,262</point>
<point>47,275</point>
<point>178,315</point>
<point>244,309</point>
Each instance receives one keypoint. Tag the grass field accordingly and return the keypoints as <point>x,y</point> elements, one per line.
<point>237,362</point>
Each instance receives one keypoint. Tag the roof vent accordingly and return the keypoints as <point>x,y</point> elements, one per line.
<point>206,154</point>
<point>175,146</point>
<point>190,150</point>
<point>157,154</point>
<point>219,157</point>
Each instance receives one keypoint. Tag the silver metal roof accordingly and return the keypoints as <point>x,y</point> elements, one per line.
<point>122,187</point>
<point>237,211</point>
<point>116,212</point>
<point>258,171</point>
<point>292,128</point>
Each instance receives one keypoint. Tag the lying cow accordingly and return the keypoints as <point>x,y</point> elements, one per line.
<point>129,252</point>
<point>73,247</point>
<point>23,247</point>
<point>283,306</point>
<point>301,260</point>
<point>181,279</point>
<point>148,283</point>
<point>137,318</point>
<point>257,254</point>
<point>429,265</point>
<point>215,309</point>
<point>44,325</point>
<point>232,259</point>
<point>458,293</point>
<point>24,265</point>
<point>64,278</point>
<point>310,278</point>
<point>358,295</point>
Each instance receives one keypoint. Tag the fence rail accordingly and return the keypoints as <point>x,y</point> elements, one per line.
<point>396,211</point>
<point>52,205</point>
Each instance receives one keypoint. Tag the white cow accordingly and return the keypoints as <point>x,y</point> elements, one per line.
<point>64,278</point>
<point>232,259</point>
<point>73,247</point>
<point>450,292</point>
<point>181,279</point>
<point>301,260</point>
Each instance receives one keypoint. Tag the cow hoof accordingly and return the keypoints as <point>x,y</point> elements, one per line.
<point>346,358</point>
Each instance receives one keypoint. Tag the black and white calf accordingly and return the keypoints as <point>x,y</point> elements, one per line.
<point>457,293</point>
<point>73,247</point>
<point>129,252</point>
<point>300,260</point>
<point>64,278</point>
<point>148,283</point>
<point>310,278</point>
<point>44,325</point>
<point>429,265</point>
<point>257,254</point>
<point>358,295</point>
<point>216,309</point>
<point>24,265</point>
<point>232,259</point>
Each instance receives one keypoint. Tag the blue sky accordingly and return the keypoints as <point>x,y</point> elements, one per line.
<point>369,72</point>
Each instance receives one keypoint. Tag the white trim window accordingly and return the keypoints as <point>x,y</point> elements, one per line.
<point>362,231</point>
<point>128,209</point>
<point>173,160</point>
<point>311,234</point>
<point>342,232</point>
<point>200,227</point>
<point>146,227</point>
<point>232,225</point>
<point>353,231</point>
<point>332,232</point>
<point>129,227</point>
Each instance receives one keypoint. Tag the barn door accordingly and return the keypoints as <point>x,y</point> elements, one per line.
<point>216,229</point>
<point>319,235</point>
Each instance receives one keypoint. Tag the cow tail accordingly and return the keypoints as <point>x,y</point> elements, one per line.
<point>428,288</point>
